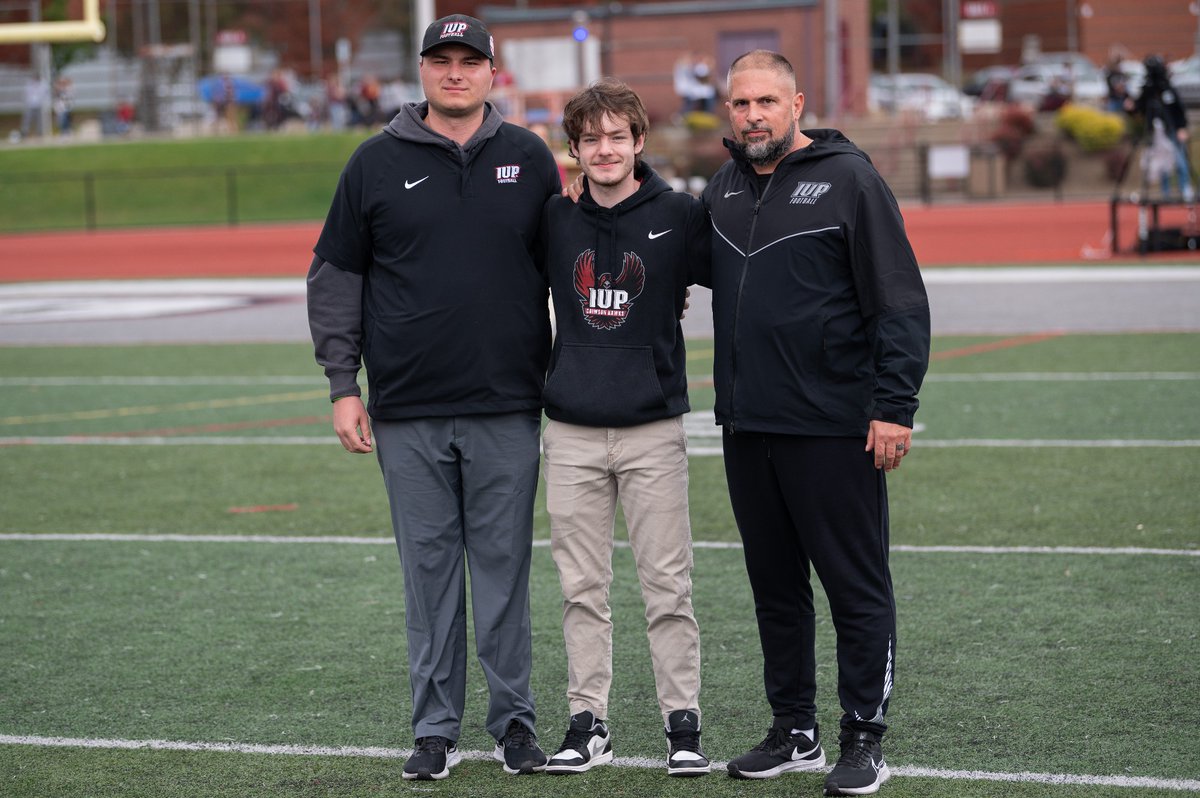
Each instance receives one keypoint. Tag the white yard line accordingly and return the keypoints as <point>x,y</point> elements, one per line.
<point>1063,274</point>
<point>383,540</point>
<point>375,752</point>
<point>59,382</point>
<point>695,447</point>
<point>317,380</point>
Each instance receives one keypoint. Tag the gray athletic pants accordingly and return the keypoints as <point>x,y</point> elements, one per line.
<point>464,485</point>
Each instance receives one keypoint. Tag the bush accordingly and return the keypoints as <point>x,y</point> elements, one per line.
<point>1092,129</point>
<point>1015,125</point>
<point>701,121</point>
<point>1045,167</point>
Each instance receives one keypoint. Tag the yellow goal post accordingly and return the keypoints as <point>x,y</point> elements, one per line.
<point>88,29</point>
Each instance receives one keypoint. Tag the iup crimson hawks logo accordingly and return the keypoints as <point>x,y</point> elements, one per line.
<point>606,302</point>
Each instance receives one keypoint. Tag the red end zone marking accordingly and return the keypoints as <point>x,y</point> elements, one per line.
<point>265,508</point>
<point>992,346</point>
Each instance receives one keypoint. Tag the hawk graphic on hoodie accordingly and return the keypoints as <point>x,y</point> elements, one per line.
<point>606,302</point>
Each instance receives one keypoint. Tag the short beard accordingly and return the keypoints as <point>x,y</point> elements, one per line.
<point>771,151</point>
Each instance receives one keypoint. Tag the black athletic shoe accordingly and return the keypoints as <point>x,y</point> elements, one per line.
<point>781,752</point>
<point>519,751</point>
<point>586,745</point>
<point>432,758</point>
<point>860,769</point>
<point>684,756</point>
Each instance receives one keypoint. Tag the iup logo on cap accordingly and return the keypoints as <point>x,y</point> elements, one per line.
<point>454,29</point>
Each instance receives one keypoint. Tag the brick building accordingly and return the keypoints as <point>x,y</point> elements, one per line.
<point>640,42</point>
<point>1098,26</point>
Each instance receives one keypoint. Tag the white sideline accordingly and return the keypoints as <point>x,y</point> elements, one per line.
<point>317,381</point>
<point>694,450</point>
<point>382,540</point>
<point>621,762</point>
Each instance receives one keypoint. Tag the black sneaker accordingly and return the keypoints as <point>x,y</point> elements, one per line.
<point>860,769</point>
<point>684,757</point>
<point>586,745</point>
<point>781,752</point>
<point>519,751</point>
<point>432,758</point>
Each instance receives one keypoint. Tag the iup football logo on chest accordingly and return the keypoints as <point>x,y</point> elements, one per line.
<point>508,173</point>
<point>606,302</point>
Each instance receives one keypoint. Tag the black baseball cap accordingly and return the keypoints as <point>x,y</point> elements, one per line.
<point>459,29</point>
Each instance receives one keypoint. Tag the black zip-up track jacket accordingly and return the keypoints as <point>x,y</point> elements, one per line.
<point>819,311</point>
<point>617,278</point>
<point>427,271</point>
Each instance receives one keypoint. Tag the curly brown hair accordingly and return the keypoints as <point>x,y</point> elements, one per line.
<point>607,96</point>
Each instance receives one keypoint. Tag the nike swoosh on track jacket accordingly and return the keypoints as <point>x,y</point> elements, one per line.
<point>427,270</point>
<point>819,311</point>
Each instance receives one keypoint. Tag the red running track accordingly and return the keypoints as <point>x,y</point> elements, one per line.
<point>996,234</point>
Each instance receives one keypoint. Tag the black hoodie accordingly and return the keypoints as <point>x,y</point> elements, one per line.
<point>426,270</point>
<point>617,278</point>
<point>820,315</point>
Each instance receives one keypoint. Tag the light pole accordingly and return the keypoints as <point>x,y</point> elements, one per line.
<point>579,32</point>
<point>315,57</point>
<point>833,77</point>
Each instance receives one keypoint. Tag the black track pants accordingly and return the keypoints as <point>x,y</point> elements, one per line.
<point>819,501</point>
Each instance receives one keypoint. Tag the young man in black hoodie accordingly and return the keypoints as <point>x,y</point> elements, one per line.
<point>618,264</point>
<point>821,343</point>
<point>426,272</point>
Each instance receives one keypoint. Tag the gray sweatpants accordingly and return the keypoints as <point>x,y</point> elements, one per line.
<point>458,485</point>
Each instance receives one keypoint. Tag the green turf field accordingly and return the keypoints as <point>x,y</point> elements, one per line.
<point>171,182</point>
<point>271,666</point>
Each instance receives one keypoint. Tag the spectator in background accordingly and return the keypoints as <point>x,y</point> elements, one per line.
<point>543,132</point>
<point>504,91</point>
<point>1114,78</point>
<point>1166,130</point>
<point>37,93</point>
<point>366,102</point>
<point>224,102</point>
<point>694,84</point>
<point>274,111</point>
<point>125,115</point>
<point>64,98</point>
<point>335,103</point>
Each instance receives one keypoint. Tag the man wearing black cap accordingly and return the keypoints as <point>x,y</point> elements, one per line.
<point>426,273</point>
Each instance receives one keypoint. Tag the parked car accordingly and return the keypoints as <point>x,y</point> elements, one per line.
<point>990,84</point>
<point>924,93</point>
<point>1046,86</point>
<point>1185,77</point>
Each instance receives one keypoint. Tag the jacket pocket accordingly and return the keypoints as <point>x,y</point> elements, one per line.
<point>604,386</point>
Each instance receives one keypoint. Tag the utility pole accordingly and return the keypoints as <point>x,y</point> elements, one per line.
<point>39,56</point>
<point>952,58</point>
<point>893,36</point>
<point>316,59</point>
<point>833,51</point>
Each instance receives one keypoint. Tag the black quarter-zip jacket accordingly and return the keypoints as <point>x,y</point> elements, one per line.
<point>820,315</point>
<point>427,271</point>
<point>617,279</point>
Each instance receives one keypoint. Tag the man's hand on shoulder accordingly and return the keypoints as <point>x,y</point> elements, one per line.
<point>574,190</point>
